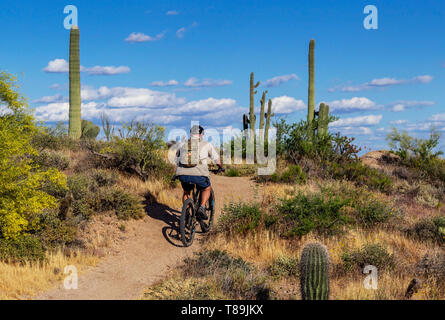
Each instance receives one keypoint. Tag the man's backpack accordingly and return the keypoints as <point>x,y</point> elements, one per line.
<point>191,157</point>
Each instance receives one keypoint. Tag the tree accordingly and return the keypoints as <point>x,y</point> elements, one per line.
<point>22,198</point>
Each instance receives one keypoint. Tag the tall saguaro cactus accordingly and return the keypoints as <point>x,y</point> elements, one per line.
<point>311,90</point>
<point>253,86</point>
<point>269,115</point>
<point>75,126</point>
<point>314,272</point>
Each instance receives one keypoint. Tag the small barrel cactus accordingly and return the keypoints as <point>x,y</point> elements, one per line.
<point>314,272</point>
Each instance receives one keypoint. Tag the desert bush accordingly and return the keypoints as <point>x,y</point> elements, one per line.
<point>321,212</point>
<point>235,277</point>
<point>50,159</point>
<point>421,150</point>
<point>126,205</point>
<point>240,218</point>
<point>420,155</point>
<point>429,228</point>
<point>432,265</point>
<point>293,174</point>
<point>21,197</point>
<point>56,232</point>
<point>372,212</point>
<point>104,178</point>
<point>296,143</point>
<point>232,172</point>
<point>360,174</point>
<point>53,138</point>
<point>370,254</point>
<point>25,248</point>
<point>284,266</point>
<point>81,185</point>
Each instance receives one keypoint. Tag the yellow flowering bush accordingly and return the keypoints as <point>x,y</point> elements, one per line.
<point>22,199</point>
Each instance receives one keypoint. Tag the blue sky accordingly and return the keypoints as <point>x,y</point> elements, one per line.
<point>205,51</point>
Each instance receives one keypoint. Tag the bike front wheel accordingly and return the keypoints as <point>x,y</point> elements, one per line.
<point>187,223</point>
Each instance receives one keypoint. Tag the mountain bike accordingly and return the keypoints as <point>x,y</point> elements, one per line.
<point>188,221</point>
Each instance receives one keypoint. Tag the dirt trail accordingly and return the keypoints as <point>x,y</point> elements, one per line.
<point>149,252</point>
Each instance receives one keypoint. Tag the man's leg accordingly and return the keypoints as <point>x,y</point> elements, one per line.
<point>205,195</point>
<point>186,195</point>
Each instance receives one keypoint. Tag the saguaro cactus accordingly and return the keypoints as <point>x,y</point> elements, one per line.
<point>323,119</point>
<point>253,86</point>
<point>269,115</point>
<point>75,127</point>
<point>314,272</point>
<point>311,90</point>
<point>263,103</point>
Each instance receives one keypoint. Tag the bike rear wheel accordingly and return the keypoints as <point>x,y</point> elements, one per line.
<point>187,223</point>
<point>207,224</point>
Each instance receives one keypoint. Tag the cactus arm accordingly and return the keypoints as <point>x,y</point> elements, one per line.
<point>74,127</point>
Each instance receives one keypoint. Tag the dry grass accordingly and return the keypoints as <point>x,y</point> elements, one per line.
<point>158,190</point>
<point>24,281</point>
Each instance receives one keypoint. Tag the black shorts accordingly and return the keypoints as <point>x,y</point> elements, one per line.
<point>201,182</point>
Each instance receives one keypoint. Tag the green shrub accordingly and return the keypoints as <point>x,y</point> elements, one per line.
<point>235,277</point>
<point>104,178</point>
<point>232,172</point>
<point>321,212</point>
<point>430,229</point>
<point>372,212</point>
<point>56,232</point>
<point>126,205</point>
<point>360,174</point>
<point>50,159</point>
<point>240,217</point>
<point>293,174</point>
<point>82,208</point>
<point>370,254</point>
<point>25,248</point>
<point>81,186</point>
<point>284,266</point>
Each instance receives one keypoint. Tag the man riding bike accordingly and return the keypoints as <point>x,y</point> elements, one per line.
<point>192,167</point>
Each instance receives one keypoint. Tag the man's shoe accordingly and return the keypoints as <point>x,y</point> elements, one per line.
<point>201,214</point>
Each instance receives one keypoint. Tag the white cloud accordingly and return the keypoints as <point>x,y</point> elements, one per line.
<point>438,117</point>
<point>358,121</point>
<point>62,66</point>
<point>181,31</point>
<point>399,122</point>
<point>141,97</point>
<point>137,37</point>
<point>353,104</point>
<point>285,104</point>
<point>384,82</point>
<point>57,66</point>
<point>276,81</point>
<point>195,83</point>
<point>351,131</point>
<point>403,105</point>
<point>210,105</point>
<point>50,99</point>
<point>169,83</point>
<point>107,70</point>
<point>172,13</point>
